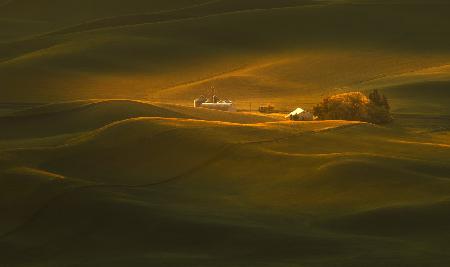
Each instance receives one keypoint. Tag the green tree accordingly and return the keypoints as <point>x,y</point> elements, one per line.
<point>355,106</point>
<point>376,98</point>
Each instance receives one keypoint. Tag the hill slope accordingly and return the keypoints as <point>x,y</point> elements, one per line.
<point>175,190</point>
<point>261,54</point>
<point>103,161</point>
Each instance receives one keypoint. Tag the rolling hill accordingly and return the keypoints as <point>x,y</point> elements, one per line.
<point>105,192</point>
<point>103,161</point>
<point>286,53</point>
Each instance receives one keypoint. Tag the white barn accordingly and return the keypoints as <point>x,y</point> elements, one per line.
<point>300,114</point>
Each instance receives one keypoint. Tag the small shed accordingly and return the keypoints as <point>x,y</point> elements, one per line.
<point>267,109</point>
<point>300,114</point>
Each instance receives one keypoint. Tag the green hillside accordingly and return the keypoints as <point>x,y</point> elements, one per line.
<point>63,13</point>
<point>104,161</point>
<point>270,52</point>
<point>66,17</point>
<point>107,194</point>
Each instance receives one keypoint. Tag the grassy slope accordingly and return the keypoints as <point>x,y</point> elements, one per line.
<point>58,14</point>
<point>277,55</point>
<point>64,118</point>
<point>93,183</point>
<point>124,203</point>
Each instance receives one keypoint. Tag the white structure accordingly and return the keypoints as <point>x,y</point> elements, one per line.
<point>214,103</point>
<point>219,106</point>
<point>300,114</point>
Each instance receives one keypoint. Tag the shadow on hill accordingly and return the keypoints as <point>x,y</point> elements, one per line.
<point>423,221</point>
<point>209,8</point>
<point>367,181</point>
<point>177,191</point>
<point>80,116</point>
<point>423,97</point>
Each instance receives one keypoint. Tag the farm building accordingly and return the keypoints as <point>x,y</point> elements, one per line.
<point>214,103</point>
<point>300,114</point>
<point>267,109</point>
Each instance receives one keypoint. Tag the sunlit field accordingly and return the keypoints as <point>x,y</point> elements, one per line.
<point>105,161</point>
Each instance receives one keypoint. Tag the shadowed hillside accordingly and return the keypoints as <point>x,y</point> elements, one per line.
<point>104,161</point>
<point>301,51</point>
<point>312,195</point>
<point>64,118</point>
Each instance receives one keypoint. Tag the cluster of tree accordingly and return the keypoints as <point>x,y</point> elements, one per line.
<point>355,106</point>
